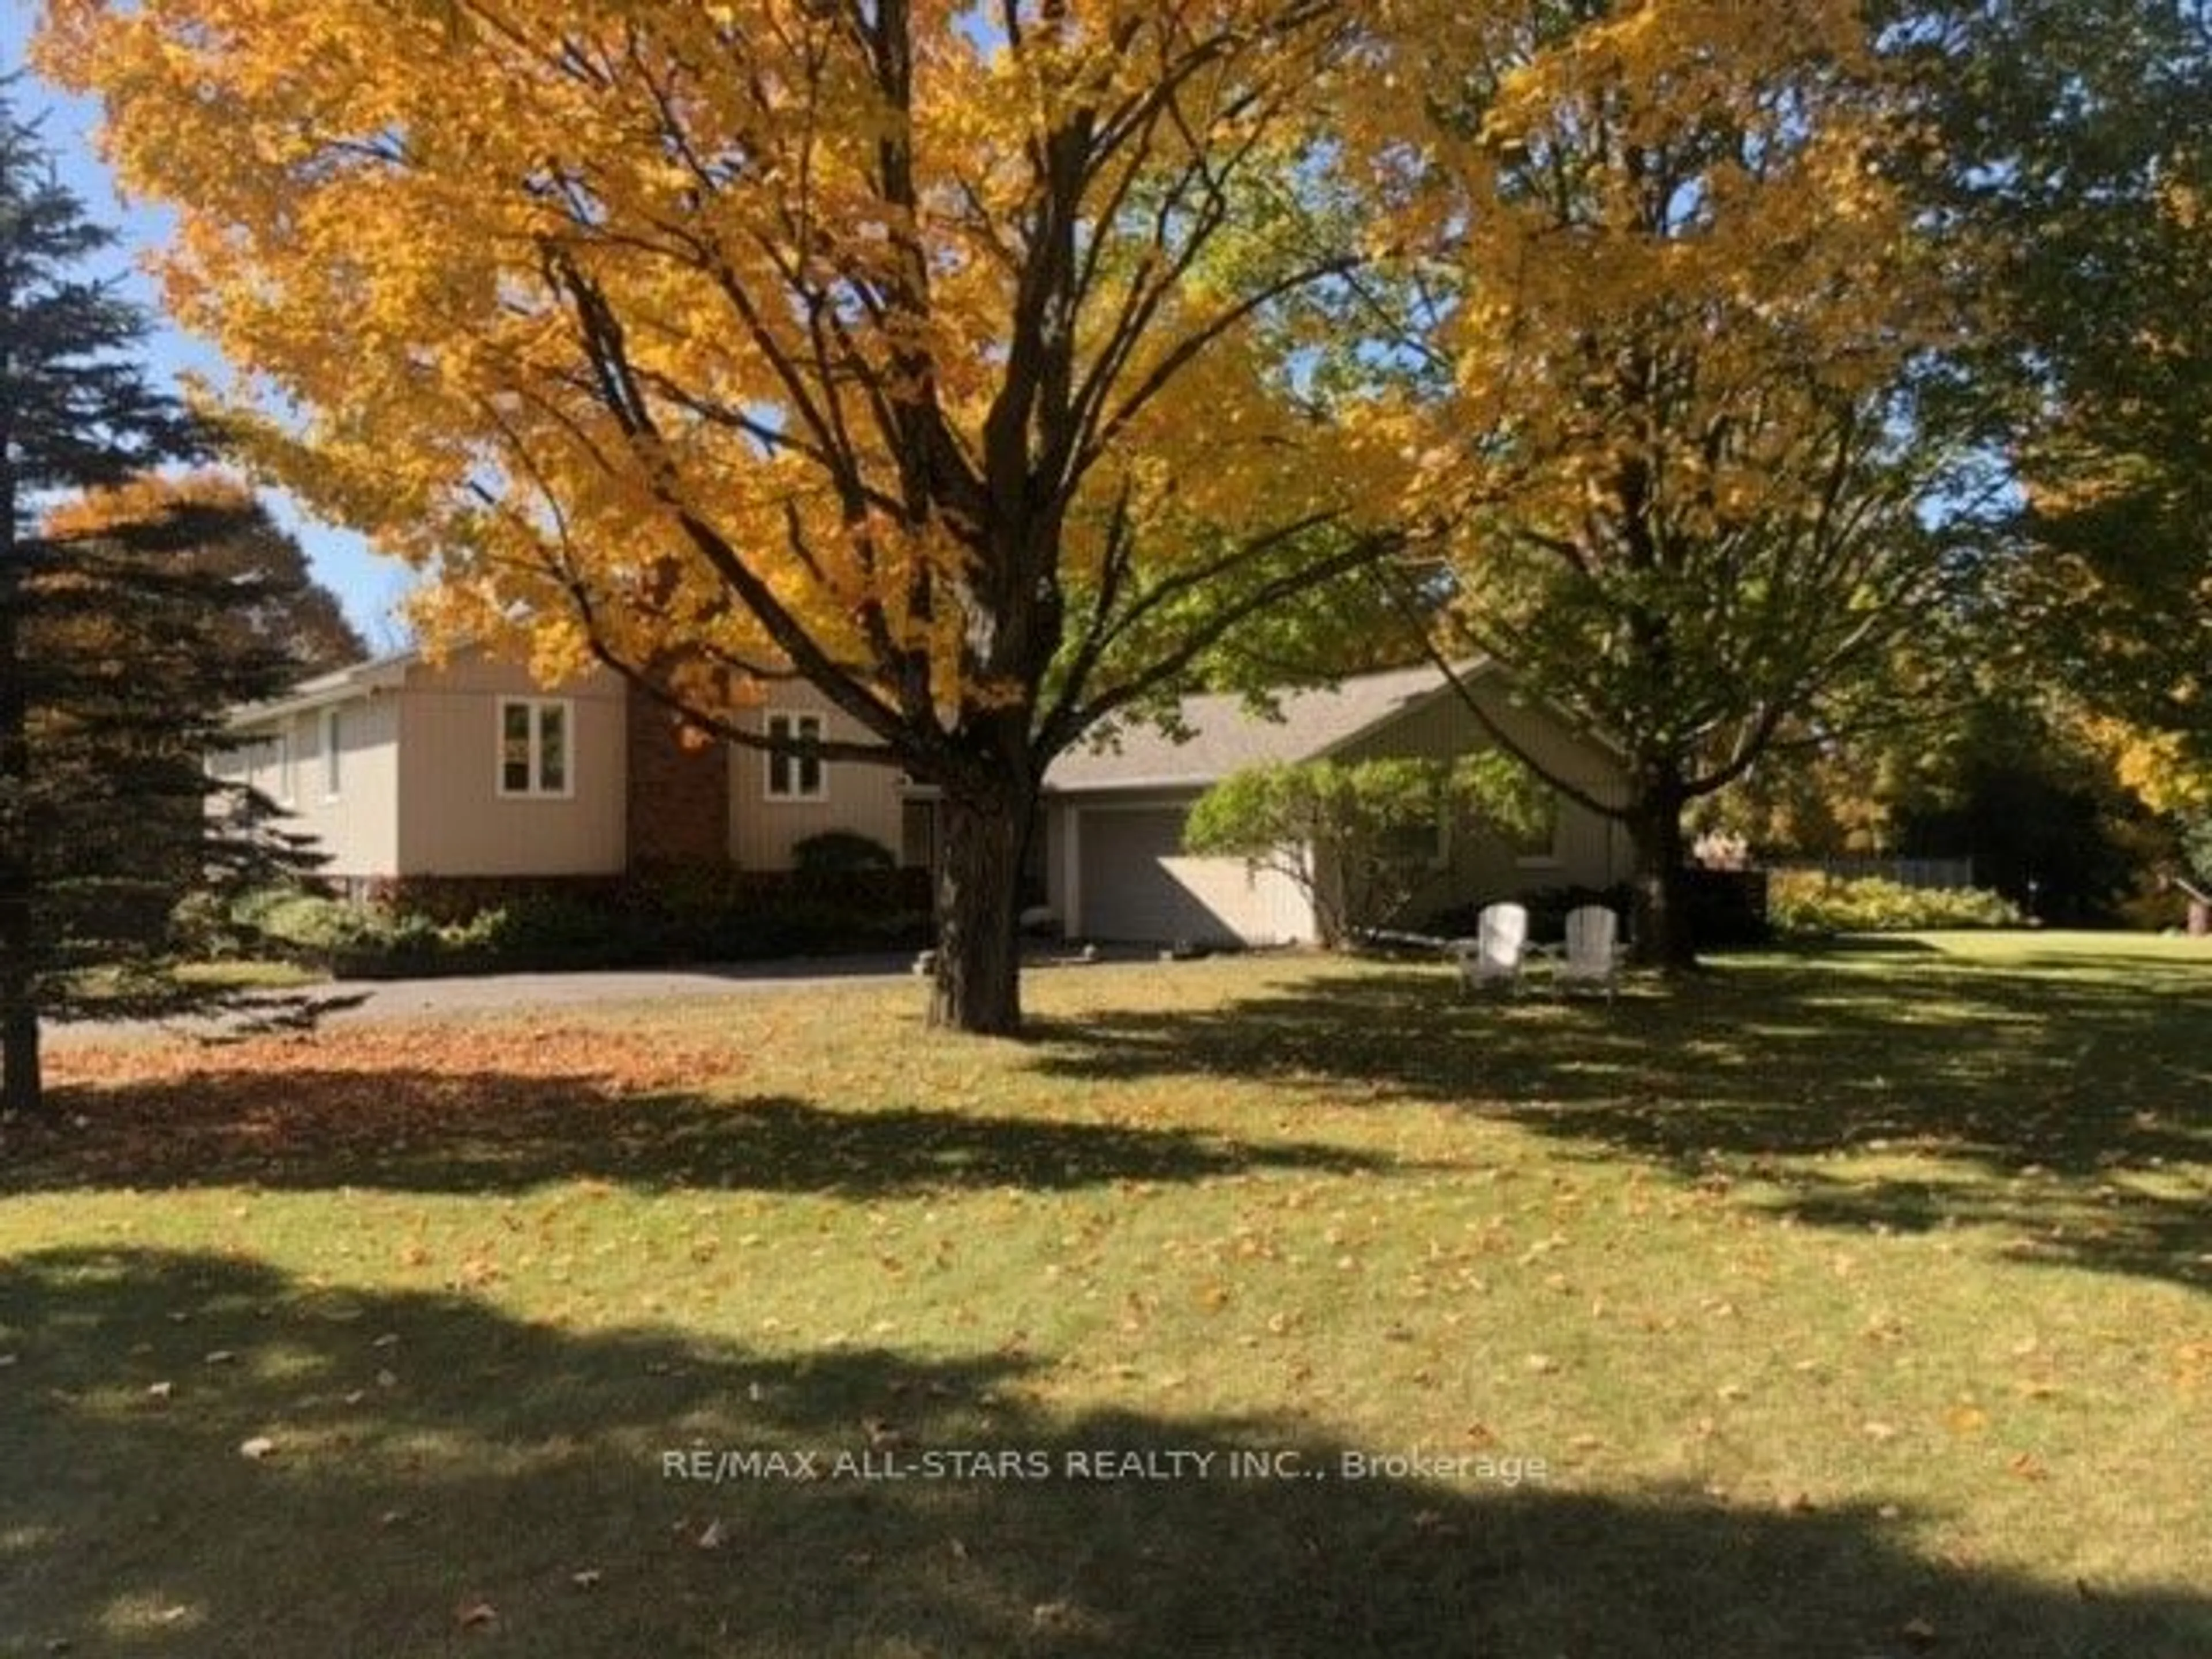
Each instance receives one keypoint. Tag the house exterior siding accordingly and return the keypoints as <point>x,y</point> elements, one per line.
<point>357,829</point>
<point>1586,849</point>
<point>452,818</point>
<point>856,798</point>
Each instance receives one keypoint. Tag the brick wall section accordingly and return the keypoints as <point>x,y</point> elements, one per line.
<point>678,810</point>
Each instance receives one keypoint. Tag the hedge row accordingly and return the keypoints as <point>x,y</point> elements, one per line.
<point>1807,902</point>
<point>429,926</point>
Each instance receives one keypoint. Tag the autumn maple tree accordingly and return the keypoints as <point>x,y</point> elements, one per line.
<point>1682,307</point>
<point>947,357</point>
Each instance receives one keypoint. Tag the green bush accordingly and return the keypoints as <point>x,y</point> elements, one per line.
<point>732,916</point>
<point>1807,902</point>
<point>552,928</point>
<point>837,851</point>
<point>316,927</point>
<point>1358,840</point>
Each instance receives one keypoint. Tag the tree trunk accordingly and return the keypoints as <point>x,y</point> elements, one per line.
<point>978,974</point>
<point>21,1088</point>
<point>1663,939</point>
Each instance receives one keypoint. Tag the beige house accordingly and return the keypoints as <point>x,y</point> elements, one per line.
<point>471,772</point>
<point>1115,865</point>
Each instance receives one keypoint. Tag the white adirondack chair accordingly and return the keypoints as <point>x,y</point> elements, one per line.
<point>1592,956</point>
<point>1493,956</point>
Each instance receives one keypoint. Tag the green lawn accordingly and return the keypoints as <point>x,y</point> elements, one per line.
<point>1850,1304</point>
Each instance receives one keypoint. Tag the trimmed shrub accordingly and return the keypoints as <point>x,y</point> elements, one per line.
<point>341,935</point>
<point>468,926</point>
<point>836,851</point>
<point>1809,903</point>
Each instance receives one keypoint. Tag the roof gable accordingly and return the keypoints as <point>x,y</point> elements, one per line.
<point>1226,735</point>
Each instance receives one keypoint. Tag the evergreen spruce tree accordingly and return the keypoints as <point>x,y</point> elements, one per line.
<point>117,656</point>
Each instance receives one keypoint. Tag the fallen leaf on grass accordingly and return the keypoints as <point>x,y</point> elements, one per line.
<point>1965,1419</point>
<point>258,1448</point>
<point>586,1578</point>
<point>477,1616</point>
<point>713,1537</point>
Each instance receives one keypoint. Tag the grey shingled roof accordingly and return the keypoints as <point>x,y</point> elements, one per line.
<point>1227,735</point>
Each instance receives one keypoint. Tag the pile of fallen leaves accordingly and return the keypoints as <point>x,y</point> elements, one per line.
<point>142,1113</point>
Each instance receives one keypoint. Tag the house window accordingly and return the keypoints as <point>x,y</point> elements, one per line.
<point>796,777</point>
<point>1538,846</point>
<point>269,767</point>
<point>333,741</point>
<point>1419,846</point>
<point>534,738</point>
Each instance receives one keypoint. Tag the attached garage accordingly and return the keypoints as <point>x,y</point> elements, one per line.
<point>1114,809</point>
<point>1131,881</point>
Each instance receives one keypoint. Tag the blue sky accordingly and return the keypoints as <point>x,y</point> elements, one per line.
<point>369,586</point>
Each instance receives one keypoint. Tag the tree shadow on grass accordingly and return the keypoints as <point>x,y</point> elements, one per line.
<point>437,1478</point>
<point>2076,1107</point>
<point>426,1130</point>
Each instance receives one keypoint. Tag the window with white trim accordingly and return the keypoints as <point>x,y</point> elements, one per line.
<point>536,746</point>
<point>269,767</point>
<point>795,777</point>
<point>332,735</point>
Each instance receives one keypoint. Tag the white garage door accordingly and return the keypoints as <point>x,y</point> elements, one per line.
<point>1138,885</point>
